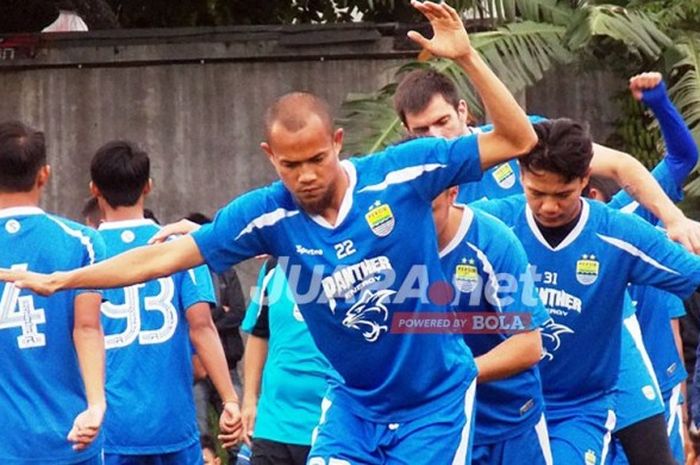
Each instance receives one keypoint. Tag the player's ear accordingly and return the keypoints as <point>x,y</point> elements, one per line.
<point>452,193</point>
<point>463,111</point>
<point>42,176</point>
<point>268,151</point>
<point>338,138</point>
<point>148,187</point>
<point>94,190</point>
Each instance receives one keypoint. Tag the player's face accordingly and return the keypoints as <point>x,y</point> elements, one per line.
<point>441,208</point>
<point>553,201</point>
<point>210,458</point>
<point>439,119</point>
<point>307,161</point>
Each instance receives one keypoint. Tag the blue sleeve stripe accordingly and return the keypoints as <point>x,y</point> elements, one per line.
<point>268,219</point>
<point>634,251</point>
<point>84,239</point>
<point>403,175</point>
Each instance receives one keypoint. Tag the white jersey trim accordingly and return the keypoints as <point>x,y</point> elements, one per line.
<point>403,175</point>
<point>346,204</point>
<point>488,269</point>
<point>571,237</point>
<point>634,251</point>
<point>267,219</point>
<point>464,225</point>
<point>85,240</point>
<point>20,211</point>
<point>107,225</point>
<point>630,207</point>
<point>463,450</point>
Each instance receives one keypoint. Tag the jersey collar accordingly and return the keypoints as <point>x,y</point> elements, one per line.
<point>571,237</point>
<point>465,223</point>
<point>105,225</point>
<point>20,211</point>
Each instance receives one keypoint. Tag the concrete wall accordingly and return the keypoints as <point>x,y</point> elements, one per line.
<point>195,100</point>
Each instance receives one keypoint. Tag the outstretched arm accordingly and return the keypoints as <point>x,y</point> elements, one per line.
<point>636,180</point>
<point>512,133</point>
<point>133,267</point>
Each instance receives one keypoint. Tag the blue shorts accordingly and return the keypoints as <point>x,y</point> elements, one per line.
<point>96,460</point>
<point>443,437</point>
<point>673,400</point>
<point>637,394</point>
<point>531,447</point>
<point>192,455</point>
<point>582,437</point>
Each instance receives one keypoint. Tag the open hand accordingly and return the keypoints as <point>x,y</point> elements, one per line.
<point>450,39</point>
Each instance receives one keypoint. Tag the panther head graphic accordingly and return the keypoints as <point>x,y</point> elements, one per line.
<point>368,314</point>
<point>551,338</point>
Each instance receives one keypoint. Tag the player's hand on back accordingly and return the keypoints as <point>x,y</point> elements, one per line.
<point>230,425</point>
<point>86,427</point>
<point>644,81</point>
<point>43,284</point>
<point>450,39</point>
<point>173,229</point>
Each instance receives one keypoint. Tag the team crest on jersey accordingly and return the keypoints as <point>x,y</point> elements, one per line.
<point>590,457</point>
<point>587,269</point>
<point>466,276</point>
<point>380,219</point>
<point>369,314</point>
<point>504,176</point>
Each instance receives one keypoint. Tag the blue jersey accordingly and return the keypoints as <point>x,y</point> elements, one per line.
<point>482,250</point>
<point>591,266</point>
<point>294,379</point>
<point>655,308</point>
<point>41,387</point>
<point>350,278</point>
<point>502,180</point>
<point>147,341</point>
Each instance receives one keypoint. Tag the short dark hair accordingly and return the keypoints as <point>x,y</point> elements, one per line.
<point>207,442</point>
<point>91,210</point>
<point>22,154</point>
<point>199,218</point>
<point>418,88</point>
<point>608,187</point>
<point>120,170</point>
<point>564,147</point>
<point>292,110</point>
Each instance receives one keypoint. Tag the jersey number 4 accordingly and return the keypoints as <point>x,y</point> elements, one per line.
<point>131,311</point>
<point>19,312</point>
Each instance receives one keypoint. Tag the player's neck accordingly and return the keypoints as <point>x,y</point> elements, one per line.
<point>454,219</point>
<point>124,213</point>
<point>331,213</point>
<point>19,199</point>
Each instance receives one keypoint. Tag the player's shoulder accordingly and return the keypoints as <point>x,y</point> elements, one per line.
<point>264,199</point>
<point>77,235</point>
<point>506,209</point>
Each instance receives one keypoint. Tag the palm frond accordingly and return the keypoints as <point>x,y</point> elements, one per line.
<point>633,28</point>
<point>557,12</point>
<point>685,76</point>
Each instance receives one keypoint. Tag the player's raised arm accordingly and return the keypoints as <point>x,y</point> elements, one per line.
<point>512,133</point>
<point>133,267</point>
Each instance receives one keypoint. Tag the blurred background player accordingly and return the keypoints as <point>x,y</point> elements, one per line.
<point>148,329</point>
<point>52,382</point>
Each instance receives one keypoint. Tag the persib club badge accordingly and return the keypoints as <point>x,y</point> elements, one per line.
<point>587,269</point>
<point>466,276</point>
<point>504,176</point>
<point>590,457</point>
<point>380,219</point>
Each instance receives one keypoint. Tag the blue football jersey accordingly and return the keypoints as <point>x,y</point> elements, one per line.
<point>502,180</point>
<point>149,355</point>
<point>654,307</point>
<point>582,284</point>
<point>295,376</point>
<point>41,387</point>
<point>482,251</point>
<point>350,278</point>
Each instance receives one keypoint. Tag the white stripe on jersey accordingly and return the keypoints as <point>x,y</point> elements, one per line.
<point>85,240</point>
<point>488,269</point>
<point>543,439</point>
<point>464,448</point>
<point>634,251</point>
<point>674,406</point>
<point>630,207</point>
<point>403,175</point>
<point>610,426</point>
<point>631,324</point>
<point>268,219</point>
